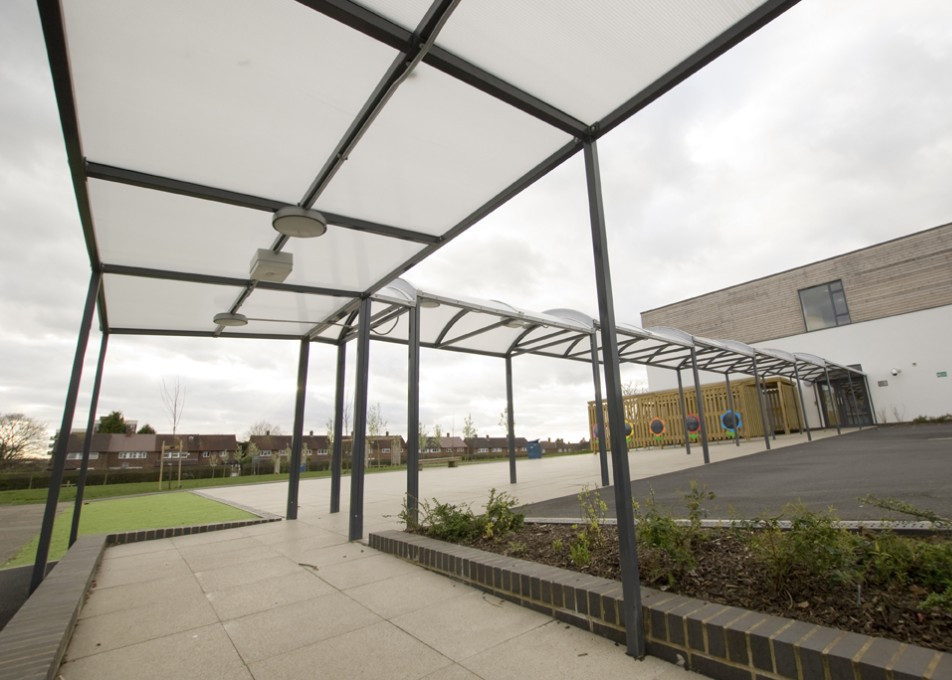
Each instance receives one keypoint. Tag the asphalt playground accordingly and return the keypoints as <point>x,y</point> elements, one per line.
<point>910,463</point>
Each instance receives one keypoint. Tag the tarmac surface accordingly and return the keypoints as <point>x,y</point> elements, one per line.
<point>911,463</point>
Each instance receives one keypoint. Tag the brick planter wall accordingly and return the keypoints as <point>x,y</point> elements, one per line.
<point>718,641</point>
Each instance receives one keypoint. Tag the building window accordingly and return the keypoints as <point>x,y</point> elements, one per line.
<point>129,455</point>
<point>93,455</point>
<point>173,455</point>
<point>824,306</point>
<point>206,454</point>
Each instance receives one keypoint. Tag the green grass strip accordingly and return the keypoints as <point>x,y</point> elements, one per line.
<point>132,514</point>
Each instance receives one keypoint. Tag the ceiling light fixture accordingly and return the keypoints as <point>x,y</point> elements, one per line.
<point>231,319</point>
<point>429,304</point>
<point>300,222</point>
<point>514,323</point>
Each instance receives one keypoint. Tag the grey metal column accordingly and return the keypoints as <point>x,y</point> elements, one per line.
<point>829,388</point>
<point>294,474</point>
<point>631,613</point>
<point>413,413</point>
<point>760,400</point>
<point>869,398</point>
<point>684,412</point>
<point>87,442</point>
<point>62,441</point>
<point>700,405</point>
<point>730,405</point>
<point>599,414</point>
<point>337,454</point>
<point>358,455</point>
<point>803,407</point>
<point>849,376</point>
<point>510,422</point>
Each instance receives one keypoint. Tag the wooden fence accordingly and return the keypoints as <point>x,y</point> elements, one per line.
<point>780,396</point>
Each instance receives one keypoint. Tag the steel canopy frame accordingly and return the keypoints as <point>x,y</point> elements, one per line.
<point>418,46</point>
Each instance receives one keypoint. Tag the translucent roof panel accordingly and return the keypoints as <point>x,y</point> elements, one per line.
<point>586,58</point>
<point>343,258</point>
<point>237,94</point>
<point>171,304</point>
<point>406,13</point>
<point>277,306</point>
<point>145,228</point>
<point>437,152</point>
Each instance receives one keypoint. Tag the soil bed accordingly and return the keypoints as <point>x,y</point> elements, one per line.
<point>724,572</point>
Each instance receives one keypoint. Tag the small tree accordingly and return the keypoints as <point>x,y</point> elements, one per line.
<point>376,423</point>
<point>173,398</point>
<point>114,423</point>
<point>422,434</point>
<point>20,436</point>
<point>469,430</point>
<point>504,420</point>
<point>146,429</point>
<point>438,436</point>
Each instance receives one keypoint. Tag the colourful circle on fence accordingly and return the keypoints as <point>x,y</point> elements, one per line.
<point>731,420</point>
<point>629,428</point>
<point>692,423</point>
<point>657,427</point>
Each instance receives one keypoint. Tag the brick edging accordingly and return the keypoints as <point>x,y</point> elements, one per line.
<point>722,642</point>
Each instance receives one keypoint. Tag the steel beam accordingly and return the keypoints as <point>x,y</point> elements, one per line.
<point>599,414</point>
<point>510,422</point>
<point>631,612</point>
<point>684,412</point>
<point>699,398</point>
<point>294,474</point>
<point>58,462</point>
<point>413,414</point>
<point>337,454</point>
<point>358,456</point>
<point>87,442</point>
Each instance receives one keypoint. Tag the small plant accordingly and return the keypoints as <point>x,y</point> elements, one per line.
<point>592,510</point>
<point>557,545</point>
<point>664,547</point>
<point>580,552</point>
<point>694,500</point>
<point>907,509</point>
<point>516,548</point>
<point>459,524</point>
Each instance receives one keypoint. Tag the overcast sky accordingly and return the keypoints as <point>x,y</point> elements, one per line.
<point>827,131</point>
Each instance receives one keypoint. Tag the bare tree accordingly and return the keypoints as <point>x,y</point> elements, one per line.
<point>504,419</point>
<point>173,398</point>
<point>20,436</point>
<point>469,430</point>
<point>438,436</point>
<point>375,420</point>
<point>632,388</point>
<point>422,434</point>
<point>264,428</point>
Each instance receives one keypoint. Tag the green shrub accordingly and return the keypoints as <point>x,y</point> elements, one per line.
<point>459,524</point>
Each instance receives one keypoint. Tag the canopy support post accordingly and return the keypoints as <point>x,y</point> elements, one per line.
<point>358,456</point>
<point>62,441</point>
<point>803,407</point>
<point>763,406</point>
<point>337,454</point>
<point>413,415</point>
<point>700,406</point>
<point>87,442</point>
<point>599,434</point>
<point>832,402</point>
<point>510,422</point>
<point>684,412</point>
<point>631,612</point>
<point>730,405</point>
<point>294,473</point>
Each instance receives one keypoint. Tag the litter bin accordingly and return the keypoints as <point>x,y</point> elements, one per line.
<point>534,449</point>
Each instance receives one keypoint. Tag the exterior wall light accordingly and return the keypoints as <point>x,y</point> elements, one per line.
<point>231,319</point>
<point>299,222</point>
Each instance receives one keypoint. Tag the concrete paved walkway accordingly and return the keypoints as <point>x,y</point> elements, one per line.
<point>297,600</point>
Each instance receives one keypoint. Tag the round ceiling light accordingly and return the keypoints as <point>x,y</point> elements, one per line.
<point>427,303</point>
<point>231,319</point>
<point>515,323</point>
<point>300,222</point>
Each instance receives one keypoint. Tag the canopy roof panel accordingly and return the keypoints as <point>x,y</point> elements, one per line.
<point>188,125</point>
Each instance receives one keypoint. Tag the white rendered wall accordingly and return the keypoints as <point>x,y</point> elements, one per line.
<point>918,344</point>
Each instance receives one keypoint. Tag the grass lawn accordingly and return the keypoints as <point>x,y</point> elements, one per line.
<point>128,514</point>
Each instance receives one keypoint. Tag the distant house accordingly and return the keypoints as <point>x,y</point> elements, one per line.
<point>113,451</point>
<point>491,447</point>
<point>314,448</point>
<point>198,449</point>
